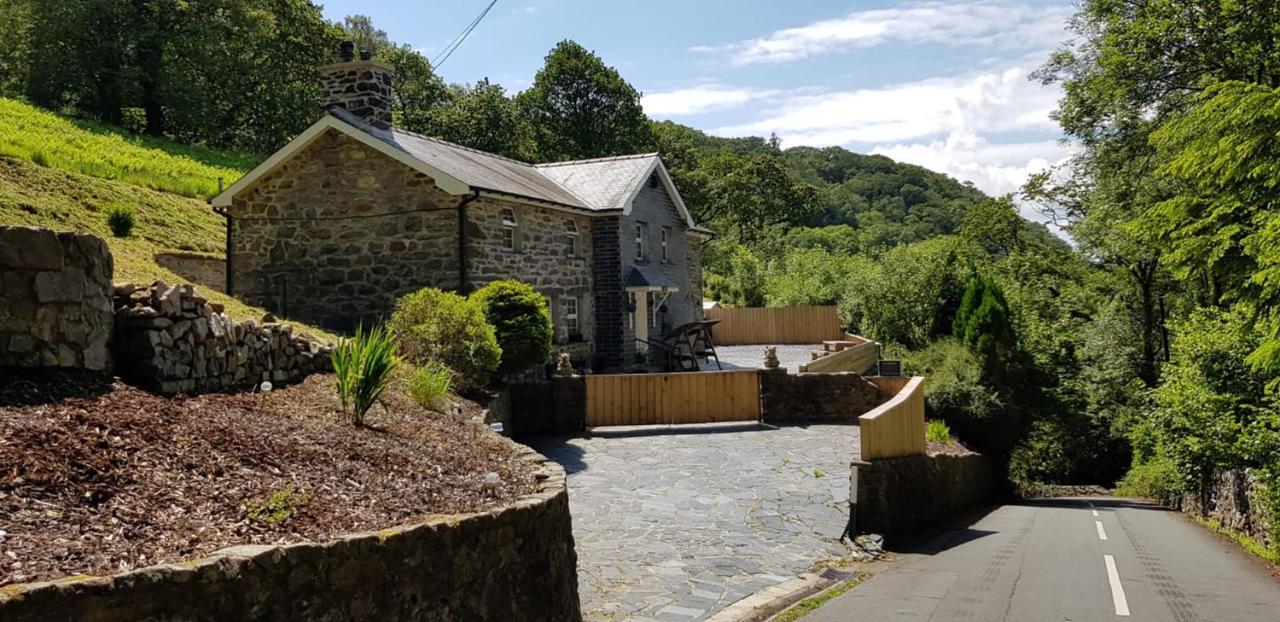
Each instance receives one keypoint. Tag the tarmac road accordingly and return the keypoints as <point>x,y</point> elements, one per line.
<point>1092,558</point>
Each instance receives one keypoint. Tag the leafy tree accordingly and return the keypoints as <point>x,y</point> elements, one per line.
<point>994,225</point>
<point>578,107</point>
<point>481,117</point>
<point>521,322</point>
<point>366,36</point>
<point>417,93</point>
<point>749,195</point>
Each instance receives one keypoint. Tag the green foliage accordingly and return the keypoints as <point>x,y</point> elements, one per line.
<point>278,506</point>
<point>443,327</point>
<point>749,196</point>
<point>994,225</point>
<point>984,323</point>
<point>102,151</point>
<point>429,385</point>
<point>362,367</point>
<point>1156,479</point>
<point>937,431</point>
<point>735,276</point>
<point>578,107</point>
<point>954,393</point>
<point>521,323</point>
<point>480,116</point>
<point>120,219</point>
<point>813,276</point>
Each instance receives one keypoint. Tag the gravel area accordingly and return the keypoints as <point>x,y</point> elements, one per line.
<point>97,477</point>
<point>678,523</point>
<point>752,357</point>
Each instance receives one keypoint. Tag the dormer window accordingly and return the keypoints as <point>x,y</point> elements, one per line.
<point>508,229</point>
<point>571,239</point>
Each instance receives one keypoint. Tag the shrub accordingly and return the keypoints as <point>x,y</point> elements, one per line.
<point>444,327</point>
<point>521,323</point>
<point>1156,479</point>
<point>429,385</point>
<point>363,366</point>
<point>120,219</point>
<point>937,431</point>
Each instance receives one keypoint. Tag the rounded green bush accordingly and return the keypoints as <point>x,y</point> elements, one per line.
<point>443,327</point>
<point>120,220</point>
<point>521,320</point>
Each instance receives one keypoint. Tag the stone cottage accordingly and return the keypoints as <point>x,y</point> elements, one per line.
<point>353,213</point>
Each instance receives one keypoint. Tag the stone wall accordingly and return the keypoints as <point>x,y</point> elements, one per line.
<point>558,406</point>
<point>361,86</point>
<point>171,340</point>
<point>897,496</point>
<point>338,233</point>
<point>540,258</point>
<point>55,299</point>
<point>831,398</point>
<point>1235,499</point>
<point>610,312</point>
<point>512,563</point>
<point>197,269</point>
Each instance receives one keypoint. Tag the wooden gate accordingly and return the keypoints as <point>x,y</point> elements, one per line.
<point>663,399</point>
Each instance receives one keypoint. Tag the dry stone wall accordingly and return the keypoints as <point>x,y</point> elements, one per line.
<point>55,299</point>
<point>513,563</point>
<point>833,398</point>
<point>171,340</point>
<point>1236,499</point>
<point>197,269</point>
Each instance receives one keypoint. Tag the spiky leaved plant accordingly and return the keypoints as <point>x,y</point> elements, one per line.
<point>363,365</point>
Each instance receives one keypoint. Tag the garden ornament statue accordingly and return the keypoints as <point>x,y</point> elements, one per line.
<point>564,367</point>
<point>771,358</point>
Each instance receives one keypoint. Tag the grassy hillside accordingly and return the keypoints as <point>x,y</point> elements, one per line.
<point>88,169</point>
<point>29,133</point>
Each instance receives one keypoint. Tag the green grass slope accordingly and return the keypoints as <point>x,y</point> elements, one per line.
<point>74,192</point>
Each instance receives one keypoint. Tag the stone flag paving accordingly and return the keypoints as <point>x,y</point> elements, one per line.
<point>676,523</point>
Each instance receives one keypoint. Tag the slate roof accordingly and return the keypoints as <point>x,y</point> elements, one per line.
<point>605,183</point>
<point>639,277</point>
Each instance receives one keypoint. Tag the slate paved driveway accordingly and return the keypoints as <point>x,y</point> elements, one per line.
<point>677,523</point>
<point>790,357</point>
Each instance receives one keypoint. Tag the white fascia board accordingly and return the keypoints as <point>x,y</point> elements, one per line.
<point>444,181</point>
<point>671,190</point>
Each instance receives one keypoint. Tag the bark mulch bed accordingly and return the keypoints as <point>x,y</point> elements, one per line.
<point>98,477</point>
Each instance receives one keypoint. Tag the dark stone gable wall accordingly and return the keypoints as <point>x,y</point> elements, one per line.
<point>339,232</point>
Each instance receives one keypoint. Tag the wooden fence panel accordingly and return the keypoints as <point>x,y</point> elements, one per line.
<point>896,427</point>
<point>858,359</point>
<point>664,399</point>
<point>775,325</point>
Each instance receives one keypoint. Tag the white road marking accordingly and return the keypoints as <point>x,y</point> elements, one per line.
<point>1095,513</point>
<point>1117,590</point>
<point>1102,533</point>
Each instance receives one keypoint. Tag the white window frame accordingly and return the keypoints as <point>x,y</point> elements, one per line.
<point>569,307</point>
<point>666,233</point>
<point>571,239</point>
<point>651,300</point>
<point>509,225</point>
<point>641,235</point>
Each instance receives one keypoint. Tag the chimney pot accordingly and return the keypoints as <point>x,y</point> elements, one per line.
<point>366,55</point>
<point>346,51</point>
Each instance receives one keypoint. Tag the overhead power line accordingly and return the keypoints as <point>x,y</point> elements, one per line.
<point>457,41</point>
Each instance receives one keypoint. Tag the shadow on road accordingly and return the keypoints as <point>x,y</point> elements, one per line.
<point>1097,502</point>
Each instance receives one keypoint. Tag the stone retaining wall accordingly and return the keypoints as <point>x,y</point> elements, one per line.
<point>171,340</point>
<point>829,398</point>
<point>55,299</point>
<point>897,496</point>
<point>511,563</point>
<point>1235,499</point>
<point>202,270</point>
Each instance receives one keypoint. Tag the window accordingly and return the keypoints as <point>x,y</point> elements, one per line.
<point>508,229</point>
<point>571,239</point>
<point>570,308</point>
<point>642,232</point>
<point>666,233</point>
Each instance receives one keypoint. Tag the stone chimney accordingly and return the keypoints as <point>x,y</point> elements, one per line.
<point>362,86</point>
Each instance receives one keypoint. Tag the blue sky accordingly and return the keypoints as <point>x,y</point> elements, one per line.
<point>940,84</point>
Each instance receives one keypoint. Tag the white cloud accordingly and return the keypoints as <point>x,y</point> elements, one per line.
<point>699,99</point>
<point>996,169</point>
<point>994,24</point>
<point>1001,101</point>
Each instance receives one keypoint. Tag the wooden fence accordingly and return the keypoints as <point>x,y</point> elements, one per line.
<point>859,358</point>
<point>896,427</point>
<point>658,399</point>
<point>775,325</point>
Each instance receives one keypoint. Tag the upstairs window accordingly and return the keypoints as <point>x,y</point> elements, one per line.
<point>642,232</point>
<point>569,306</point>
<point>666,234</point>
<point>508,229</point>
<point>571,239</point>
